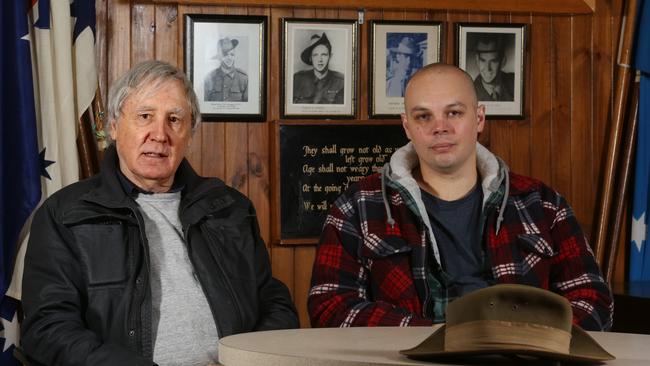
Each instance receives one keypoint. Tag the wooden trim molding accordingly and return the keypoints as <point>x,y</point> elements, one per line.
<point>532,6</point>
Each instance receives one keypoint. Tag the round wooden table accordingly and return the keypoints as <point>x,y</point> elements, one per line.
<point>375,346</point>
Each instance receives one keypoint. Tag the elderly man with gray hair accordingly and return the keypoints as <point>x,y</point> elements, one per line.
<point>147,262</point>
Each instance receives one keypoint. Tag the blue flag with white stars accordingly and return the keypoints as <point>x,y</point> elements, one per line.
<point>639,251</point>
<point>47,80</point>
<point>20,162</point>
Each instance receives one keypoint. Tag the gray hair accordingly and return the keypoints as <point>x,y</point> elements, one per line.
<point>147,72</point>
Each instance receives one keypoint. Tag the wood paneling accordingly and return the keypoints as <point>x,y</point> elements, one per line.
<point>568,94</point>
<point>538,6</point>
<point>142,32</point>
<point>540,88</point>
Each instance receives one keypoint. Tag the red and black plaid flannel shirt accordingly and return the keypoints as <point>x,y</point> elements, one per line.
<point>369,273</point>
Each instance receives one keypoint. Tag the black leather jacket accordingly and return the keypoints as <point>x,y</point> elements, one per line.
<point>86,293</point>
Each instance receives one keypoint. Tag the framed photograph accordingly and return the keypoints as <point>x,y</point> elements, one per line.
<point>225,58</point>
<point>397,51</point>
<point>493,54</point>
<point>319,68</point>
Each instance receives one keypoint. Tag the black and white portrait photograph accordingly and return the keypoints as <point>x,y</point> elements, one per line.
<point>493,56</point>
<point>398,50</point>
<point>228,82</point>
<point>319,68</point>
<point>225,59</point>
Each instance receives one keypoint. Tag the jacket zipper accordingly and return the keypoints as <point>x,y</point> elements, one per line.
<point>144,286</point>
<point>186,231</point>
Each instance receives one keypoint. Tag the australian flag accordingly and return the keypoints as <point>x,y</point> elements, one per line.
<point>47,80</point>
<point>640,252</point>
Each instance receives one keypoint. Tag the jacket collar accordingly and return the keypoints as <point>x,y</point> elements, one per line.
<point>110,192</point>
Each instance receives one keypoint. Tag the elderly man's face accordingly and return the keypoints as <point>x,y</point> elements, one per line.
<point>320,58</point>
<point>152,134</point>
<point>229,58</point>
<point>489,65</point>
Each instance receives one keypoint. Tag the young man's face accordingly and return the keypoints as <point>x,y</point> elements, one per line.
<point>152,134</point>
<point>489,65</point>
<point>320,58</point>
<point>443,121</point>
<point>403,60</point>
<point>229,58</point>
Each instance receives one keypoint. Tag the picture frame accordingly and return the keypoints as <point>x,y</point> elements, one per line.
<point>495,52</point>
<point>328,89</point>
<point>397,50</point>
<point>235,92</point>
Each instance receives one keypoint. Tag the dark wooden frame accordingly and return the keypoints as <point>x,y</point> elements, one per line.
<point>220,114</point>
<point>353,66</point>
<point>498,109</point>
<point>373,72</point>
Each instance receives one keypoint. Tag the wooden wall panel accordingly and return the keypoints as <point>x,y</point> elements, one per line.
<point>568,100</point>
<point>167,24</point>
<point>258,156</point>
<point>118,39</point>
<point>581,118</point>
<point>282,256</point>
<point>195,154</point>
<point>541,103</point>
<point>520,156</point>
<point>561,96</point>
<point>304,258</point>
<point>142,33</point>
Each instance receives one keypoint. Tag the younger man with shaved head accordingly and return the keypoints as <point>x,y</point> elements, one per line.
<point>444,218</point>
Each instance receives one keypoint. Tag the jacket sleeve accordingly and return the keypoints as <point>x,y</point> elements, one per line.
<point>53,331</point>
<point>575,273</point>
<point>276,308</point>
<point>340,292</point>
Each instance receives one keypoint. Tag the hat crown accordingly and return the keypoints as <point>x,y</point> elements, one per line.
<point>406,45</point>
<point>227,44</point>
<point>512,303</point>
<point>510,319</point>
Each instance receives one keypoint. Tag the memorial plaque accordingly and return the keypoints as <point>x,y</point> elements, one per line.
<point>319,162</point>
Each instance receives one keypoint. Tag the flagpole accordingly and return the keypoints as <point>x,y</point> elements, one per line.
<point>87,147</point>
<point>620,102</point>
<point>99,117</point>
<point>623,184</point>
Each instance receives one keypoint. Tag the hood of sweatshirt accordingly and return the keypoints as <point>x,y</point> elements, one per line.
<point>493,172</point>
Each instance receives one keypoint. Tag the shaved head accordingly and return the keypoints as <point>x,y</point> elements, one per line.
<point>440,69</point>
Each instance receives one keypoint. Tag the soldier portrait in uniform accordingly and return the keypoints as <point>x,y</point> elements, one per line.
<point>404,59</point>
<point>397,50</point>
<point>493,55</point>
<point>318,84</point>
<point>319,68</point>
<point>228,82</point>
<point>225,58</point>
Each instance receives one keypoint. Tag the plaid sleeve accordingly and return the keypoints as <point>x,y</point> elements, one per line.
<point>575,273</point>
<point>339,295</point>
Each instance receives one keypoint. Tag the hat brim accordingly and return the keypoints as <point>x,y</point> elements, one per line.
<point>397,50</point>
<point>583,348</point>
